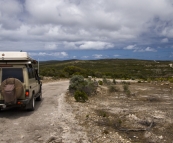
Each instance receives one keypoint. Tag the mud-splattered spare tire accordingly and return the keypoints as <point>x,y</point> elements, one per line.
<point>18,87</point>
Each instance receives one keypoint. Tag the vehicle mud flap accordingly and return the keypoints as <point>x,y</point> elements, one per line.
<point>31,105</point>
<point>39,98</point>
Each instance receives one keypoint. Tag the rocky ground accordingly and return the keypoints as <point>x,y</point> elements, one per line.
<point>51,122</point>
<point>143,115</point>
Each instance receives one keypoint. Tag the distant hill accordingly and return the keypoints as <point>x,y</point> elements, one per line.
<point>114,68</point>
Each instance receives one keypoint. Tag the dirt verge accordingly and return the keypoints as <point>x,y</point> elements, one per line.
<point>144,115</point>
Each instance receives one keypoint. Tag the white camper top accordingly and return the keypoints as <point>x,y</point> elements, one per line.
<point>15,56</point>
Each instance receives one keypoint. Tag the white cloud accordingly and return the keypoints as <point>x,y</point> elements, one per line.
<point>130,47</point>
<point>148,49</point>
<point>95,45</point>
<point>116,55</point>
<point>38,25</point>
<point>85,57</point>
<point>171,55</point>
<point>51,46</point>
<point>165,40</point>
<point>10,12</point>
<point>55,54</point>
<point>97,56</point>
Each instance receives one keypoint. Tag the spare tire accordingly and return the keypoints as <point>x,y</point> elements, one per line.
<point>18,85</point>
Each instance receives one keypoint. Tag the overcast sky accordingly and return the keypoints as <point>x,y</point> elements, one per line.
<point>88,29</point>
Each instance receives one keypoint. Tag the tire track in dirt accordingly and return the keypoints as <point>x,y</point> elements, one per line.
<point>51,122</point>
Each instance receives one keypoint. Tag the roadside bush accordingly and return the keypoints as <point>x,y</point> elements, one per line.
<point>125,83</point>
<point>77,82</point>
<point>148,80</point>
<point>105,81</point>
<point>100,82</point>
<point>114,81</point>
<point>81,88</point>
<point>126,89</point>
<point>112,89</point>
<point>80,96</point>
<point>171,80</point>
<point>55,77</point>
<point>90,87</point>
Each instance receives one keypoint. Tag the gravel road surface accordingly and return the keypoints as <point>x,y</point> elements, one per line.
<point>51,122</point>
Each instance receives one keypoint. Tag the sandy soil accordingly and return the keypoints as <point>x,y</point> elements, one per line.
<point>51,122</point>
<point>143,116</point>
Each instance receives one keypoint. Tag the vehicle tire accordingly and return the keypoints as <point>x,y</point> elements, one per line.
<point>39,98</point>
<point>31,106</point>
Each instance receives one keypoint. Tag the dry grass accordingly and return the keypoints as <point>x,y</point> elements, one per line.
<point>145,117</point>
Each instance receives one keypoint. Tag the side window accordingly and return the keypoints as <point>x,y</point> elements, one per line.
<point>12,73</point>
<point>30,72</point>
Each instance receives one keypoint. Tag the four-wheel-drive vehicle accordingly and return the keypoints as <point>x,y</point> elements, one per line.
<point>20,83</point>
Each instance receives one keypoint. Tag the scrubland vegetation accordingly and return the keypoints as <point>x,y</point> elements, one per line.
<point>119,110</point>
<point>110,68</point>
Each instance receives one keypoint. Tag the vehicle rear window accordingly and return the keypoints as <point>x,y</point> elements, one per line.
<point>12,73</point>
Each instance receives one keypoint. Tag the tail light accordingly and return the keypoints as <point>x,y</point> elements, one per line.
<point>19,103</point>
<point>27,93</point>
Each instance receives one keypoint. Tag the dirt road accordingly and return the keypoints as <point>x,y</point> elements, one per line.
<point>51,122</point>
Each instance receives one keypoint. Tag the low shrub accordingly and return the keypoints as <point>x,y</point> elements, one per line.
<point>126,89</point>
<point>77,82</point>
<point>81,88</point>
<point>80,96</point>
<point>112,89</point>
<point>114,81</point>
<point>100,82</point>
<point>105,81</point>
<point>171,80</point>
<point>125,83</point>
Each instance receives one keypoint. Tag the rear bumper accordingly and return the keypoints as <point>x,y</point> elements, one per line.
<point>18,103</point>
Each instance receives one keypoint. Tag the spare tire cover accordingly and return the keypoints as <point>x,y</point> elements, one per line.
<point>19,89</point>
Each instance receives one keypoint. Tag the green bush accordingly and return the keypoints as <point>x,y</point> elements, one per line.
<point>149,80</point>
<point>82,88</point>
<point>80,96</point>
<point>171,80</point>
<point>73,70</point>
<point>114,81</point>
<point>90,87</point>
<point>77,82</point>
<point>105,81</point>
<point>112,89</point>
<point>126,89</point>
<point>100,82</point>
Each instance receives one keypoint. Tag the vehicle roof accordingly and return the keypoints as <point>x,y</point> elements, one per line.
<point>15,57</point>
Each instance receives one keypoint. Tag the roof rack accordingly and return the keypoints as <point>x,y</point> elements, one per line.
<point>16,57</point>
